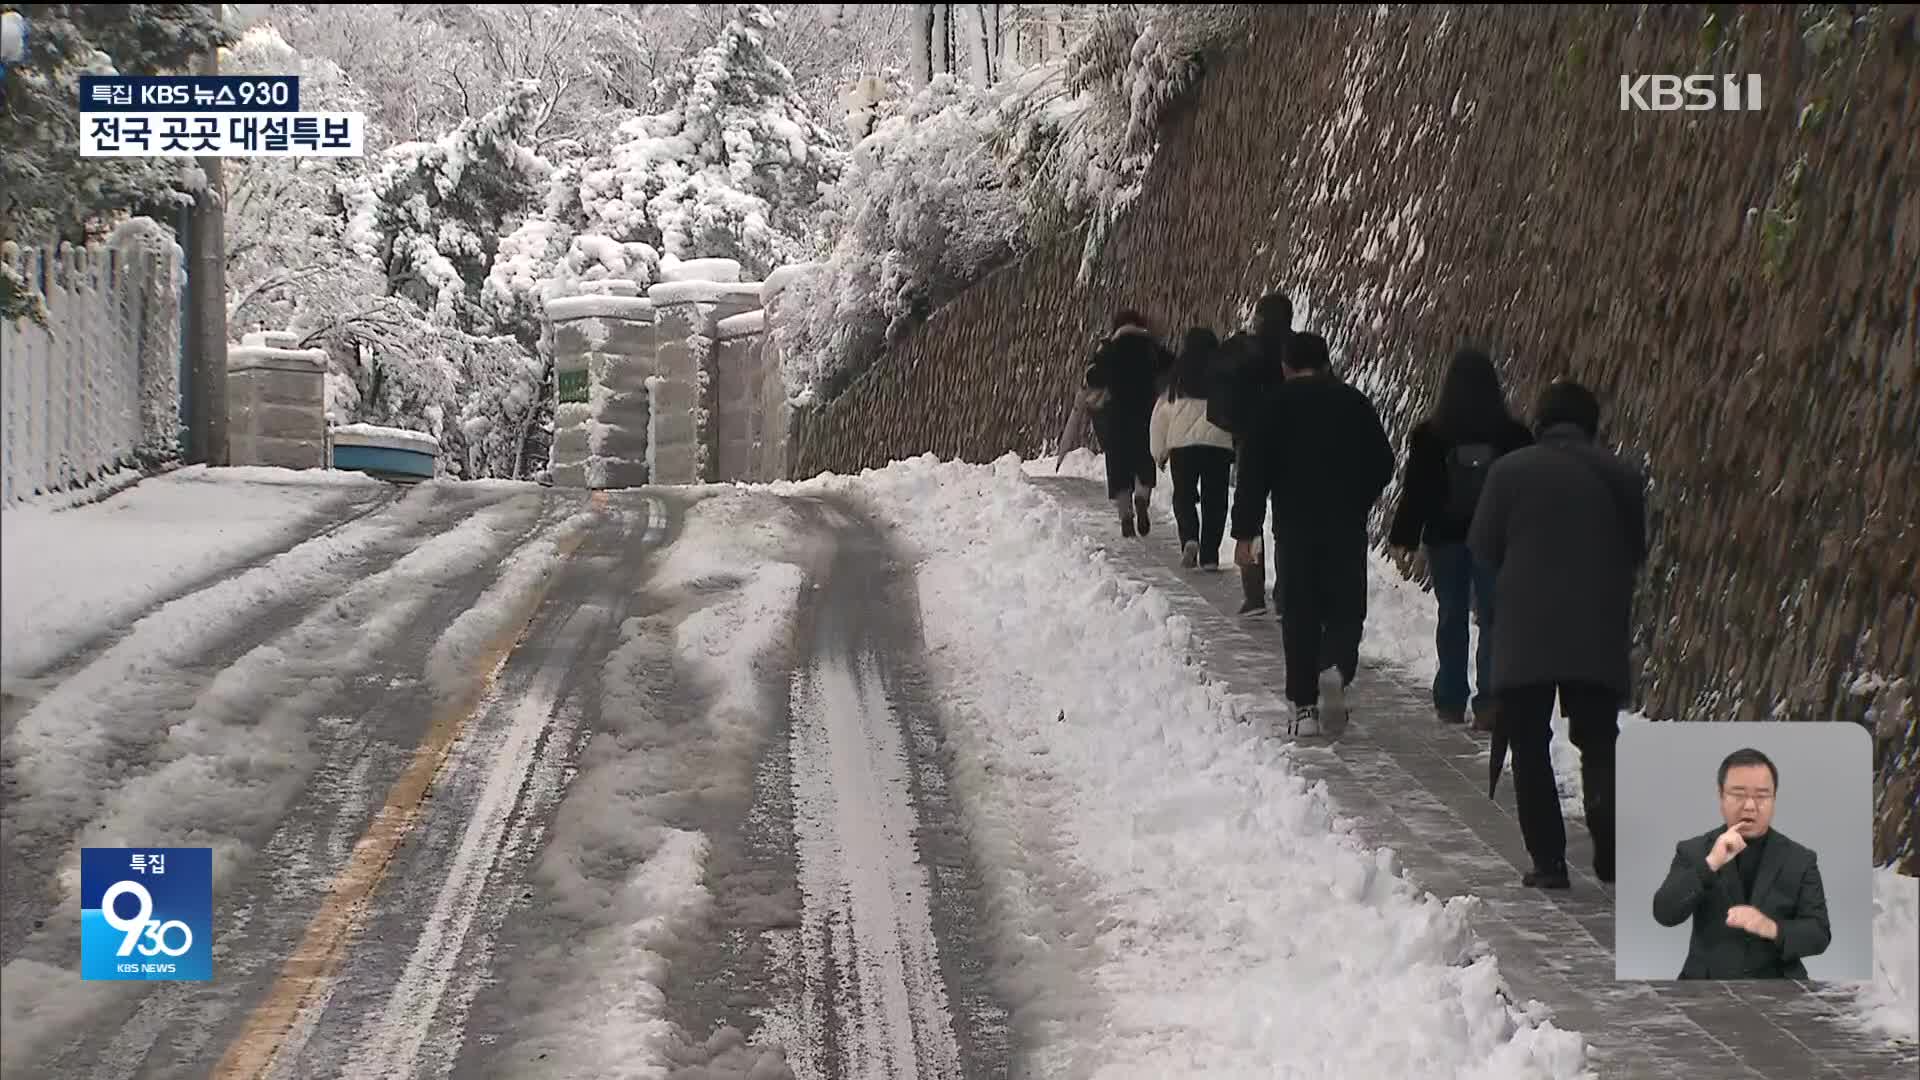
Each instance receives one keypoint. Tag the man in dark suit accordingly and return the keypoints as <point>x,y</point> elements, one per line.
<point>1755,897</point>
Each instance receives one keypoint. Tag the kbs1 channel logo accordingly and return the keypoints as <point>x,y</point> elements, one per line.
<point>146,914</point>
<point>210,116</point>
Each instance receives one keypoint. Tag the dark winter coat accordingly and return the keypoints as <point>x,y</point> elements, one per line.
<point>1420,515</point>
<point>1563,525</point>
<point>1317,449</point>
<point>1787,889</point>
<point>1130,367</point>
<point>1246,370</point>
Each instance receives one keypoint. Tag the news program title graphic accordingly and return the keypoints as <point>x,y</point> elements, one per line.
<point>209,116</point>
<point>146,914</point>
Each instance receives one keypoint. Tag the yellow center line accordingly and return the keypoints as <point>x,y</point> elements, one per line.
<point>307,972</point>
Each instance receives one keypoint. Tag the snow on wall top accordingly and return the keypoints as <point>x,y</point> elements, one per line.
<point>394,438</point>
<point>249,357</point>
<point>690,292</point>
<point>785,276</point>
<point>722,270</point>
<point>637,308</point>
<point>277,339</point>
<point>705,292</point>
<point>752,322</point>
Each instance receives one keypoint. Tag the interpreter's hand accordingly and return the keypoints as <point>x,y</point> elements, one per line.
<point>1749,918</point>
<point>1731,843</point>
<point>1243,553</point>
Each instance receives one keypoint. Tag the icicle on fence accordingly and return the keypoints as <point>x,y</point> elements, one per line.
<point>97,386</point>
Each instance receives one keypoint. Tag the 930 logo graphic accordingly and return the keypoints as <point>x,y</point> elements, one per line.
<point>146,913</point>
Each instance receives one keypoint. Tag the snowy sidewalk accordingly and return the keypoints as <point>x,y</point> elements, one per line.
<point>1421,789</point>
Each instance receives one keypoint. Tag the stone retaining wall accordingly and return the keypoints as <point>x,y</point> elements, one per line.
<point>1740,287</point>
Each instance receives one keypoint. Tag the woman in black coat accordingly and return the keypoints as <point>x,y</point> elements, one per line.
<point>1127,374</point>
<point>1448,455</point>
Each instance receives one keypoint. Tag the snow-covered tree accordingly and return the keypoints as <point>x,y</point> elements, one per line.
<point>433,215</point>
<point>427,67</point>
<point>47,190</point>
<point>436,352</point>
<point>731,170</point>
<point>282,234</point>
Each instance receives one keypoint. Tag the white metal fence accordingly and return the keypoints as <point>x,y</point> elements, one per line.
<point>97,386</point>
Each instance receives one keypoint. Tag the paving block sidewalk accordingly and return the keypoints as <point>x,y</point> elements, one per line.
<point>1420,789</point>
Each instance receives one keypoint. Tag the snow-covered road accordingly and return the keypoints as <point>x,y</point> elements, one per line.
<point>902,775</point>
<point>502,781</point>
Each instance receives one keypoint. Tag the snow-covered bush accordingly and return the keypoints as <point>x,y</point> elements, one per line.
<point>958,179</point>
<point>1134,67</point>
<point>921,213</point>
<point>482,396</point>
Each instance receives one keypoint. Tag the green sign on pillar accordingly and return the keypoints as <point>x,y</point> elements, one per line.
<point>573,386</point>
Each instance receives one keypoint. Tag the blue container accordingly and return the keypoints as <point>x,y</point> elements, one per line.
<point>403,456</point>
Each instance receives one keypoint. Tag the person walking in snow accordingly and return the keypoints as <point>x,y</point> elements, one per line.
<point>1320,453</point>
<point>1247,370</point>
<point>1448,457</point>
<point>1200,454</point>
<point>1122,383</point>
<point>1562,526</point>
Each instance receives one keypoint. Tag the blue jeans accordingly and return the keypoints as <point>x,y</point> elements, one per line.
<point>1458,583</point>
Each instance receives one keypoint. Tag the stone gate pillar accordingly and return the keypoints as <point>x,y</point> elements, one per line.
<point>685,391</point>
<point>604,353</point>
<point>736,396</point>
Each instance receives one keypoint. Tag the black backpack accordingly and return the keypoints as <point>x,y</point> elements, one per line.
<point>1228,385</point>
<point>1467,466</point>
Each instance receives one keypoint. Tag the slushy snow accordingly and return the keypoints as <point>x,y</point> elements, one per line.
<point>617,865</point>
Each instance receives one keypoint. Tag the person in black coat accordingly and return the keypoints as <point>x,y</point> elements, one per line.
<point>1755,897</point>
<point>1448,457</point>
<point>1562,525</point>
<point>1125,378</point>
<point>1319,452</point>
<point>1248,370</point>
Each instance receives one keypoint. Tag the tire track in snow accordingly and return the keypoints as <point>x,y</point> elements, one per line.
<point>887,948</point>
<point>338,695</point>
<point>522,776</point>
<point>424,948</point>
<point>520,771</point>
<point>100,726</point>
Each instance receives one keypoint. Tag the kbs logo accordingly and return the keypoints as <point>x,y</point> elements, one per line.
<point>146,913</point>
<point>1694,93</point>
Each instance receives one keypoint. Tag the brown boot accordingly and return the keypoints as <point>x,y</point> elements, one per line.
<point>1450,716</point>
<point>1484,716</point>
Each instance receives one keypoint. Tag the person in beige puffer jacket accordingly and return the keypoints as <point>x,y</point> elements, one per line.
<point>1200,453</point>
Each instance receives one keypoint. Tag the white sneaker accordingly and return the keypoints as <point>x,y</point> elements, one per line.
<point>1303,720</point>
<point>1333,696</point>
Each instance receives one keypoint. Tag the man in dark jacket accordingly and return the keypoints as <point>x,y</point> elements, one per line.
<point>1320,453</point>
<point>1562,526</point>
<point>1126,373</point>
<point>1250,368</point>
<point>1756,899</point>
